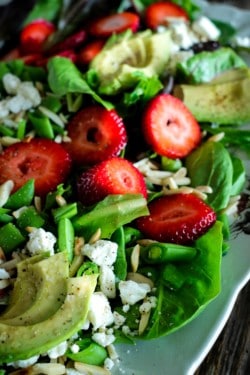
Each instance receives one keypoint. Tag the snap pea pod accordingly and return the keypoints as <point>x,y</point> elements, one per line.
<point>42,125</point>
<point>158,252</point>
<point>21,129</point>
<point>131,235</point>
<point>4,215</point>
<point>10,238</point>
<point>30,218</point>
<point>6,131</point>
<point>65,212</point>
<point>66,237</point>
<point>22,197</point>
<point>120,266</point>
<point>88,268</point>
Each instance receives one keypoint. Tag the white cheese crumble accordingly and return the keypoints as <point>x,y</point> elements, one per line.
<point>24,363</point>
<point>102,252</point>
<point>103,338</point>
<point>119,319</point>
<point>100,313</point>
<point>41,241</point>
<point>205,28</point>
<point>108,364</point>
<point>58,350</point>
<point>4,275</point>
<point>132,292</point>
<point>107,281</point>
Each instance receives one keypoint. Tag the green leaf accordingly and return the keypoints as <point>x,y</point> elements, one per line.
<point>211,165</point>
<point>64,78</point>
<point>239,175</point>
<point>110,214</point>
<point>46,9</point>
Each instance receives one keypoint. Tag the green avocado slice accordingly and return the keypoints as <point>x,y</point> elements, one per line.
<point>25,288</point>
<point>22,342</point>
<point>51,274</point>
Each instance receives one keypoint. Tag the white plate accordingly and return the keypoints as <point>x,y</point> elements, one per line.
<point>183,351</point>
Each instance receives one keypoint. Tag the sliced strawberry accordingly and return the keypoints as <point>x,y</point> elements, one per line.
<point>114,23</point>
<point>34,35</point>
<point>41,159</point>
<point>169,127</point>
<point>177,218</point>
<point>157,13</point>
<point>96,134</point>
<point>89,51</point>
<point>111,176</point>
<point>71,42</point>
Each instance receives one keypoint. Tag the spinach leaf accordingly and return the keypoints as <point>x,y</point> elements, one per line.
<point>64,78</point>
<point>200,284</point>
<point>110,214</point>
<point>210,164</point>
<point>204,66</point>
<point>239,175</point>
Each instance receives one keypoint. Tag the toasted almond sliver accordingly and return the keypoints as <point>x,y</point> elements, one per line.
<point>135,256</point>
<point>48,369</point>
<point>139,278</point>
<point>83,368</point>
<point>96,236</point>
<point>143,322</point>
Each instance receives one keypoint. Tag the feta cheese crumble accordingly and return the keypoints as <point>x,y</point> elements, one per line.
<point>41,241</point>
<point>100,313</point>
<point>132,292</point>
<point>102,252</point>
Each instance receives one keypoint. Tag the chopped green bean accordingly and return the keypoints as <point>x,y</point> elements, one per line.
<point>6,131</point>
<point>52,103</point>
<point>131,235</point>
<point>171,165</point>
<point>30,218</point>
<point>21,129</point>
<point>42,125</point>
<point>88,268</point>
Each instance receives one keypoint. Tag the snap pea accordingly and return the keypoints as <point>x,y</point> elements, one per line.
<point>131,235</point>
<point>10,238</point>
<point>52,103</point>
<point>158,252</point>
<point>30,218</point>
<point>66,237</point>
<point>171,165</point>
<point>90,353</point>
<point>4,215</point>
<point>88,268</point>
<point>22,197</point>
<point>42,125</point>
<point>63,212</point>
<point>6,131</point>
<point>120,266</point>
<point>21,129</point>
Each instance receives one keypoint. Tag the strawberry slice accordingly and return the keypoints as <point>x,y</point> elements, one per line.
<point>111,176</point>
<point>89,51</point>
<point>114,23</point>
<point>157,13</point>
<point>169,127</point>
<point>177,218</point>
<point>41,159</point>
<point>34,35</point>
<point>72,42</point>
<point>96,134</point>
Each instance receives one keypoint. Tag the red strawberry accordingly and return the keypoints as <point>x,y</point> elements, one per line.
<point>156,13</point>
<point>70,43</point>
<point>169,127</point>
<point>41,159</point>
<point>96,134</point>
<point>114,23</point>
<point>89,51</point>
<point>111,176</point>
<point>177,218</point>
<point>34,35</point>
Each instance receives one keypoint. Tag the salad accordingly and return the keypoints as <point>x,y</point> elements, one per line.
<point>118,178</point>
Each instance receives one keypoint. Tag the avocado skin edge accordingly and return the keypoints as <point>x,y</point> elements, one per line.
<point>22,342</point>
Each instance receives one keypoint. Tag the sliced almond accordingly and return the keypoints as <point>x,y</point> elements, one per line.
<point>84,368</point>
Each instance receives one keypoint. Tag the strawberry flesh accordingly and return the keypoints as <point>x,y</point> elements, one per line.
<point>157,13</point>
<point>34,35</point>
<point>111,176</point>
<point>96,134</point>
<point>178,218</point>
<point>169,127</point>
<point>114,23</point>
<point>43,160</point>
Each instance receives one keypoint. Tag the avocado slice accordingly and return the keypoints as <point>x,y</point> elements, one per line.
<point>25,288</point>
<point>224,100</point>
<point>22,342</point>
<point>51,274</point>
<point>117,66</point>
